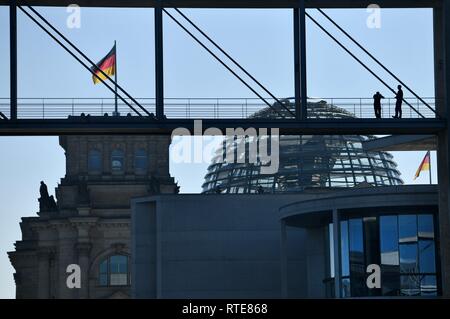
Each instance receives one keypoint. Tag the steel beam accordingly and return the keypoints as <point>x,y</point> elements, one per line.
<point>137,125</point>
<point>159,63</point>
<point>300,61</point>
<point>233,3</point>
<point>13,58</point>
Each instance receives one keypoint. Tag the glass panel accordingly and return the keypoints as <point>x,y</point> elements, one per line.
<point>407,228</point>
<point>410,285</point>
<point>103,279</point>
<point>408,258</point>
<point>357,265</point>
<point>119,264</point>
<point>389,243</point>
<point>345,266</point>
<point>427,256</point>
<point>104,267</point>
<point>371,247</point>
<point>371,240</point>
<point>94,161</point>
<point>118,280</point>
<point>426,227</point>
<point>428,286</point>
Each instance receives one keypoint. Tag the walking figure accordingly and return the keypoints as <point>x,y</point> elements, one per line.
<point>398,103</point>
<point>377,104</point>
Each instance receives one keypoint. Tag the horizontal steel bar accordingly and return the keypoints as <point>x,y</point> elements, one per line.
<point>233,3</point>
<point>137,125</point>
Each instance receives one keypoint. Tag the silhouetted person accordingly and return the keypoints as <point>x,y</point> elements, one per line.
<point>398,103</point>
<point>260,190</point>
<point>377,104</point>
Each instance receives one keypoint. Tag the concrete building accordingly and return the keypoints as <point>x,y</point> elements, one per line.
<point>283,245</point>
<point>91,226</point>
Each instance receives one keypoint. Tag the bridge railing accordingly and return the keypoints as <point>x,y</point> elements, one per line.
<point>206,108</point>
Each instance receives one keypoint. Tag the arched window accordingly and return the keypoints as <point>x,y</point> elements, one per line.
<point>94,161</point>
<point>114,271</point>
<point>140,160</point>
<point>117,160</point>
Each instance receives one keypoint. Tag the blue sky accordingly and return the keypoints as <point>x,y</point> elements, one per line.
<point>261,40</point>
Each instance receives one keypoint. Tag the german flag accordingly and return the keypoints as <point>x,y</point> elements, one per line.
<point>107,65</point>
<point>424,166</point>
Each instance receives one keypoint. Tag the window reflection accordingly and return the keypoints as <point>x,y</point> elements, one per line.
<point>357,269</point>
<point>404,247</point>
<point>407,228</point>
<point>408,258</point>
<point>426,256</point>
<point>389,242</point>
<point>345,267</point>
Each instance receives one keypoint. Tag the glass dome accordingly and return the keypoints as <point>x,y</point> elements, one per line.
<point>306,161</point>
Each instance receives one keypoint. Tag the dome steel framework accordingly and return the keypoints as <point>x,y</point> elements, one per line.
<point>306,161</point>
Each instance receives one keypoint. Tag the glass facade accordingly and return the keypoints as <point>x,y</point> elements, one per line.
<point>304,161</point>
<point>402,245</point>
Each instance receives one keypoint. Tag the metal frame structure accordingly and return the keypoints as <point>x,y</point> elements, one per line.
<point>162,125</point>
<point>300,125</point>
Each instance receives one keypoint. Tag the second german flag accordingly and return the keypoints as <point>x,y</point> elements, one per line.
<point>107,65</point>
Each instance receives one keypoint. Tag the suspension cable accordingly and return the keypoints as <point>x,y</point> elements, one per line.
<point>232,60</point>
<point>374,58</point>
<point>84,56</point>
<point>360,62</point>
<point>221,62</point>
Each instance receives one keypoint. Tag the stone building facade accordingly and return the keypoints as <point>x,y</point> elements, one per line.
<point>91,225</point>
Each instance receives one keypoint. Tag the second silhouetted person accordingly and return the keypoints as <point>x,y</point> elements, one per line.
<point>398,103</point>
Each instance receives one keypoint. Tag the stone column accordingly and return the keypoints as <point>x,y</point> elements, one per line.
<point>44,273</point>
<point>83,251</point>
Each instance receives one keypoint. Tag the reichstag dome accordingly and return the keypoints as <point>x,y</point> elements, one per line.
<point>307,161</point>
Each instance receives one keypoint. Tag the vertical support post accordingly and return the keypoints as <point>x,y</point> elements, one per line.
<point>300,61</point>
<point>337,254</point>
<point>283,256</point>
<point>116,108</point>
<point>159,68</point>
<point>13,58</point>
<point>442,34</point>
<point>43,273</point>
<point>439,76</point>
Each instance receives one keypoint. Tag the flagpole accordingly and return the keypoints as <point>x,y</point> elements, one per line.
<point>429,158</point>
<point>116,111</point>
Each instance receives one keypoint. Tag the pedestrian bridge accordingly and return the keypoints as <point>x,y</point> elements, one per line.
<point>209,108</point>
<point>53,116</point>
